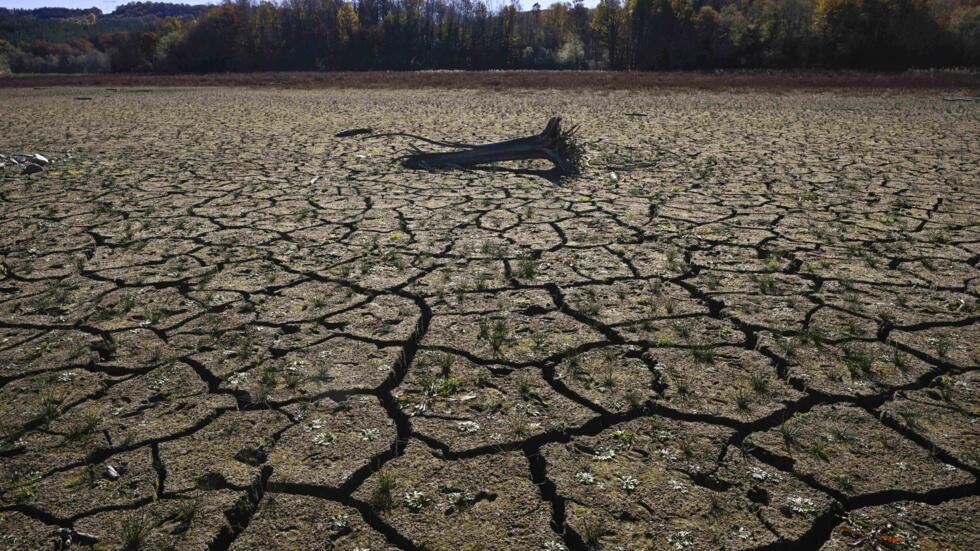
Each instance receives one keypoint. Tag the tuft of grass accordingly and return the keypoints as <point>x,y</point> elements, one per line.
<point>445,387</point>
<point>811,335</point>
<point>858,361</point>
<point>766,284</point>
<point>526,268</point>
<point>261,394</point>
<point>382,498</point>
<point>742,400</point>
<point>703,354</point>
<point>524,388</point>
<point>820,450</point>
<point>790,436</point>
<point>90,420</point>
<point>760,383</point>
<point>608,378</point>
<point>446,364</point>
<point>634,399</point>
<point>593,532</point>
<point>51,407</point>
<point>519,426</point>
<point>267,377</point>
<point>682,330</point>
<point>133,531</point>
<point>292,379</point>
<point>494,333</point>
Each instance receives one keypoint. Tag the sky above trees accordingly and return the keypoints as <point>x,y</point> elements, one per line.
<point>105,5</point>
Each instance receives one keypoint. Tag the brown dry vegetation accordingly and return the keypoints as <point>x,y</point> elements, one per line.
<point>750,324</point>
<point>558,80</point>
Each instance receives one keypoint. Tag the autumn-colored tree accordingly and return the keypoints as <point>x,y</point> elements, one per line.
<point>608,22</point>
<point>252,35</point>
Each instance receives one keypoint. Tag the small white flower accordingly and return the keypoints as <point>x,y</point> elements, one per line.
<point>555,546</point>
<point>680,540</point>
<point>467,427</point>
<point>628,483</point>
<point>415,500</point>
<point>743,533</point>
<point>339,522</point>
<point>585,478</point>
<point>668,455</point>
<point>368,435</point>
<point>324,439</point>
<point>458,500</point>
<point>677,486</point>
<point>315,424</point>
<point>802,505</point>
<point>527,409</point>
<point>763,475</point>
<point>606,455</point>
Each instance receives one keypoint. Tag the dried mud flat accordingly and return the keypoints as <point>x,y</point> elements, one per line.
<point>751,324</point>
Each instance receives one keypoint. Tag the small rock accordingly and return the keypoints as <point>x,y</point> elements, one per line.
<point>31,168</point>
<point>35,158</point>
<point>69,536</point>
<point>111,473</point>
<point>85,538</point>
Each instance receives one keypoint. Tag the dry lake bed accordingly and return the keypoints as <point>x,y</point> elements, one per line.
<point>752,322</point>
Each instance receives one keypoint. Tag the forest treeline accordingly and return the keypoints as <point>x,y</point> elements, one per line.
<point>464,34</point>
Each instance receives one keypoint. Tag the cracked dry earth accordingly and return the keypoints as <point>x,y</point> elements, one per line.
<point>760,333</point>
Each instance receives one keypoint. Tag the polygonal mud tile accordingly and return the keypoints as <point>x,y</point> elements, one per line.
<point>656,483</point>
<point>19,531</point>
<point>84,488</point>
<point>331,441</point>
<point>463,405</point>
<point>910,524</point>
<point>192,520</point>
<point>945,414</point>
<point>227,452</point>
<point>488,500</point>
<point>845,448</point>
<point>725,381</point>
<point>285,521</point>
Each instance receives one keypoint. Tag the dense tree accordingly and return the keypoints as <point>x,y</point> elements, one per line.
<point>250,35</point>
<point>607,22</point>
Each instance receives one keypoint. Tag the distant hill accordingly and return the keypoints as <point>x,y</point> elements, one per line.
<point>58,25</point>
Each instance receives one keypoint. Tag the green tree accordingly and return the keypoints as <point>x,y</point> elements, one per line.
<point>607,22</point>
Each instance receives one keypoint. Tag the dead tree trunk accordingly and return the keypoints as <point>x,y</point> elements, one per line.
<point>552,144</point>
